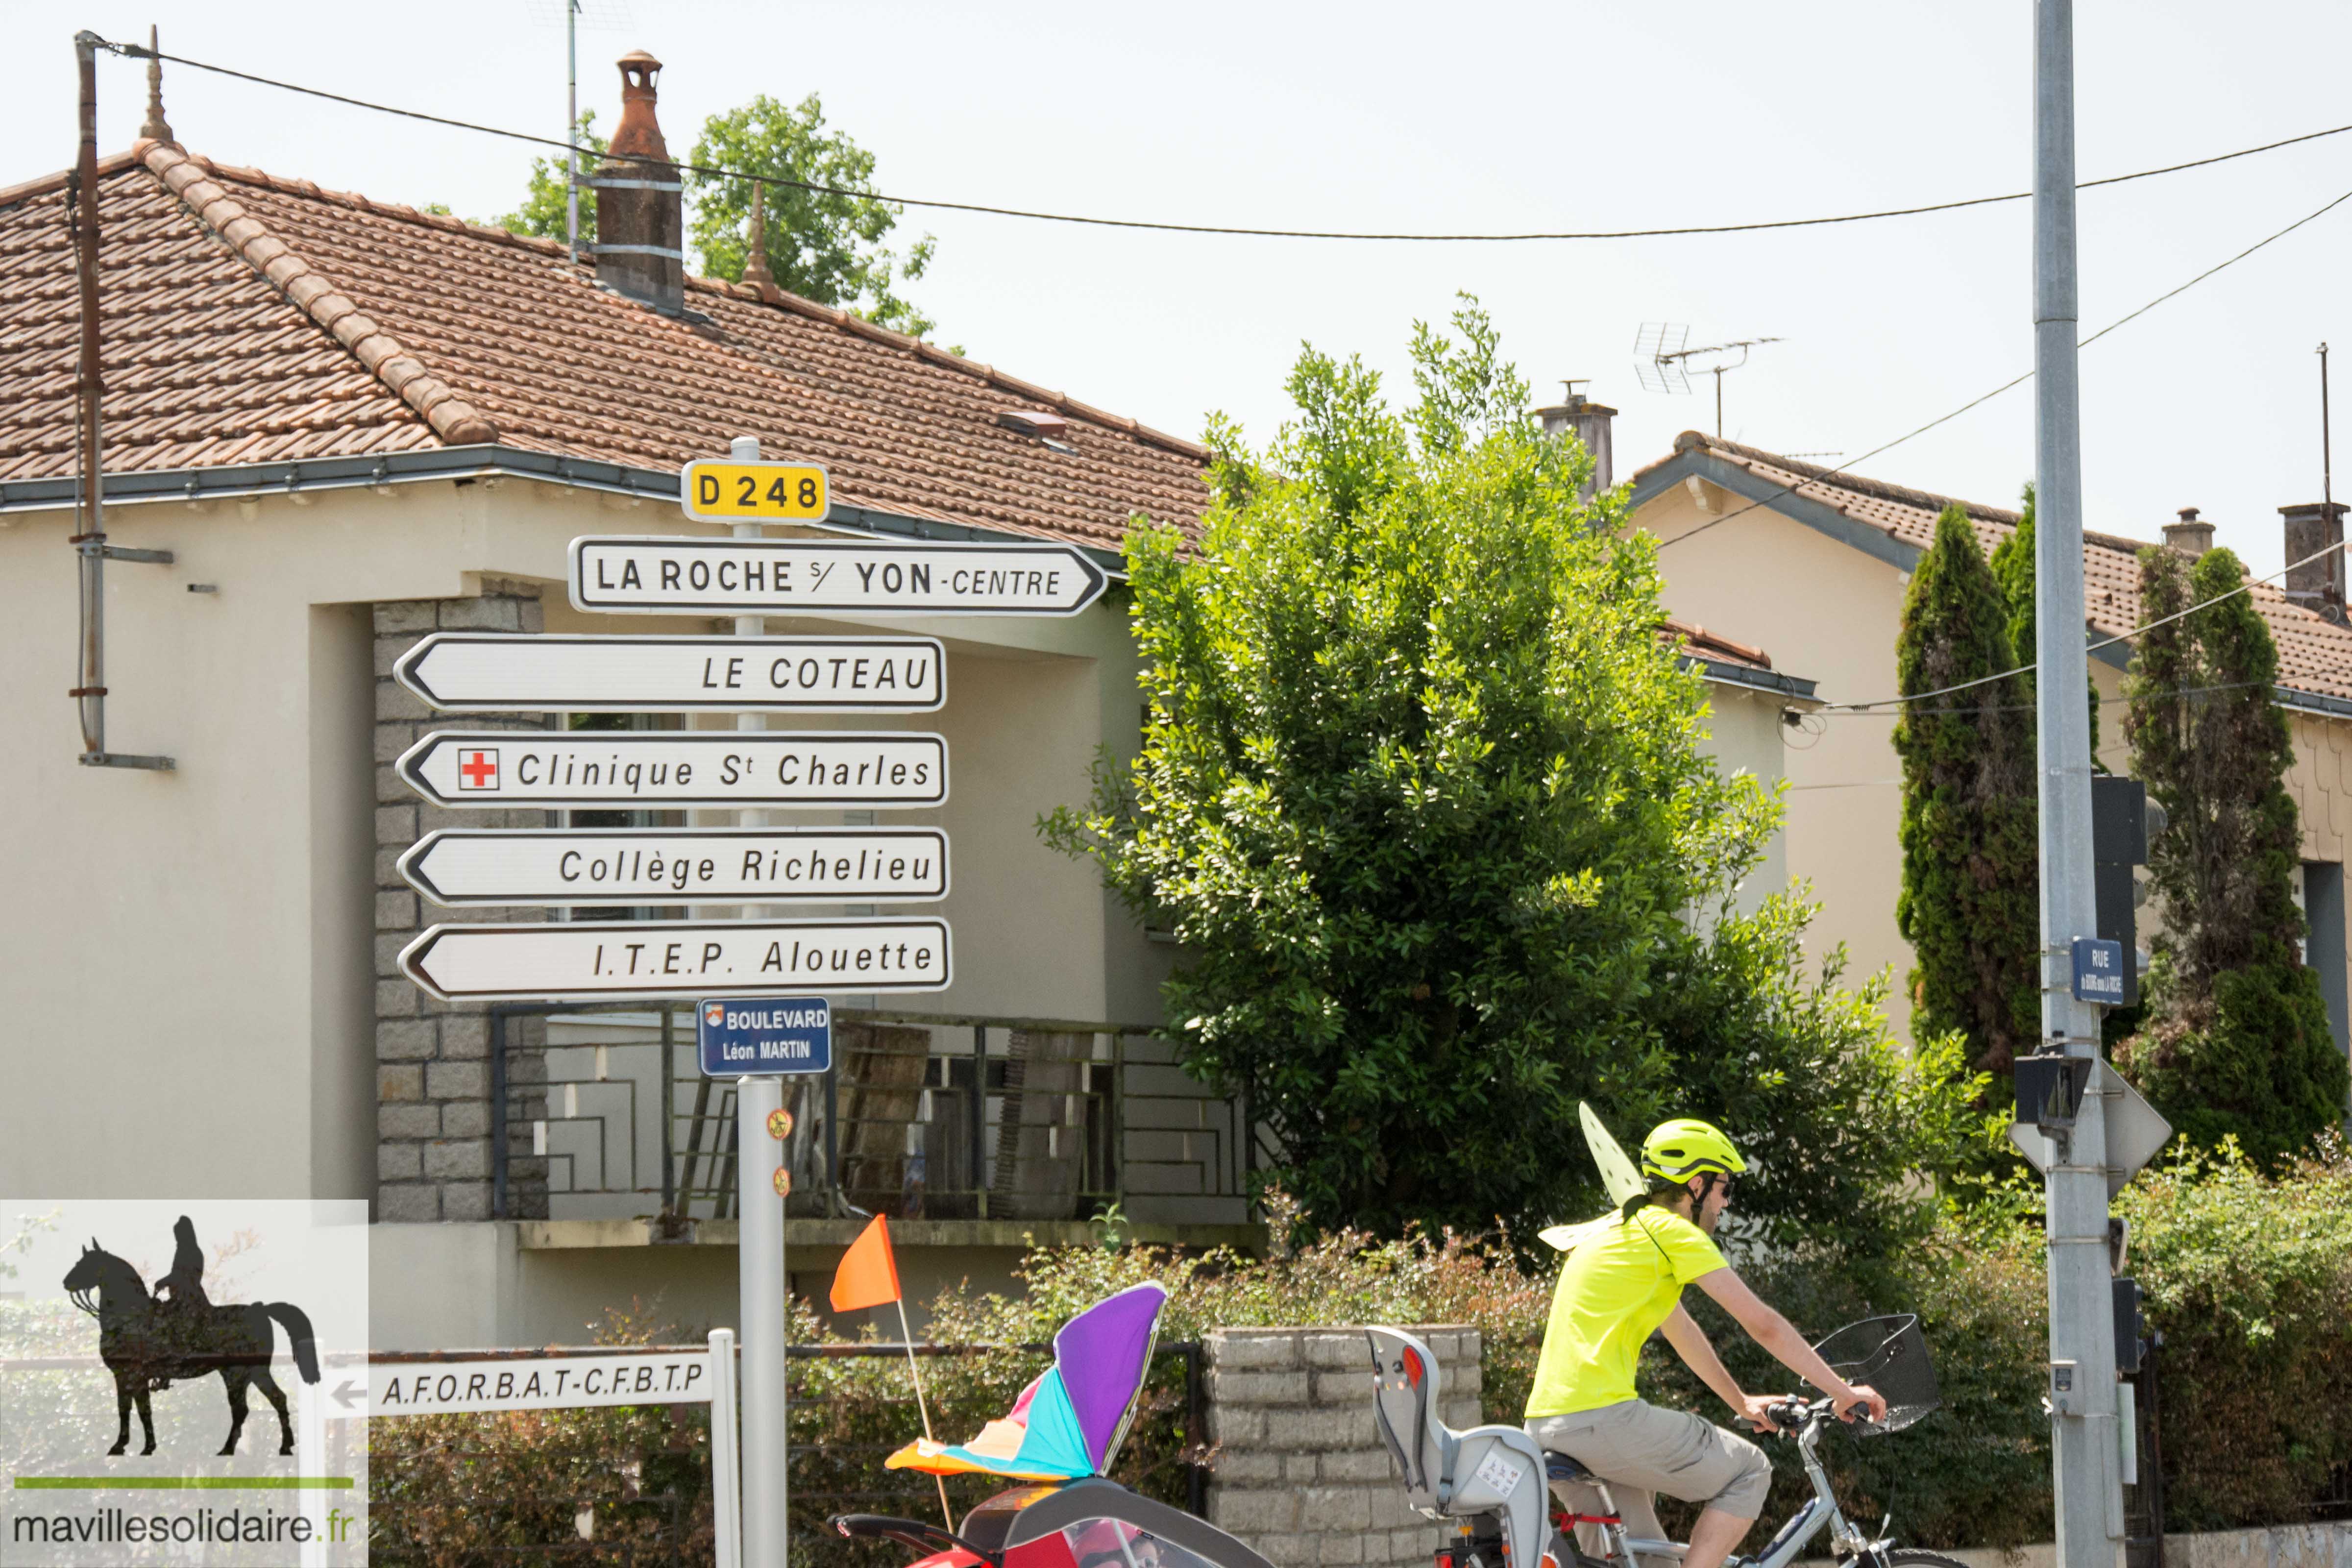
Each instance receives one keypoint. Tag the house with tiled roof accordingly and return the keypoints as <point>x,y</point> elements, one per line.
<point>347,423</point>
<point>1815,563</point>
<point>331,425</point>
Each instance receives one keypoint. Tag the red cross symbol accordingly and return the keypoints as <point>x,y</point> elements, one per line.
<point>477,770</point>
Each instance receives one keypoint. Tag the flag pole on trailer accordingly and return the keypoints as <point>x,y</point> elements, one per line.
<point>868,1276</point>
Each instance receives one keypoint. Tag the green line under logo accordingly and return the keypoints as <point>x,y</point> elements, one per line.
<point>184,1483</point>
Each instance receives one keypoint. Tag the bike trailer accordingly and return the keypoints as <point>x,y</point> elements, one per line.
<point>1089,1523</point>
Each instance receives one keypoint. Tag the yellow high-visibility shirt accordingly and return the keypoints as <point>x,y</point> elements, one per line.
<point>1620,1280</point>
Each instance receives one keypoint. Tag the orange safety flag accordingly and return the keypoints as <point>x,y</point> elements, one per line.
<point>868,1275</point>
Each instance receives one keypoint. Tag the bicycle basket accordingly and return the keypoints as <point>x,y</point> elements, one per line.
<point>1890,1355</point>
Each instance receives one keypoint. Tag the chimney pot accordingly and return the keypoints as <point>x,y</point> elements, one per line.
<point>1590,423</point>
<point>2315,529</point>
<point>2188,536</point>
<point>640,211</point>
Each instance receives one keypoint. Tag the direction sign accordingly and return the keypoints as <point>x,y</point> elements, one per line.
<point>737,1036</point>
<point>781,576</point>
<point>678,958</point>
<point>721,489</point>
<point>459,866</point>
<point>491,673</point>
<point>656,769</point>
<point>539,1383</point>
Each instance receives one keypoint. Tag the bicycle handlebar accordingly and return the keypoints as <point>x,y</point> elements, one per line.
<point>1789,1416</point>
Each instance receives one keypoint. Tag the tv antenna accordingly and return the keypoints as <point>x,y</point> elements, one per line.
<point>1665,364</point>
<point>606,15</point>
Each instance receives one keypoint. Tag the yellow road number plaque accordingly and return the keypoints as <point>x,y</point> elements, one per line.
<point>719,491</point>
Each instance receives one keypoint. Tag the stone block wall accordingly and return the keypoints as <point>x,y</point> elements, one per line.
<point>433,1058</point>
<point>1298,1469</point>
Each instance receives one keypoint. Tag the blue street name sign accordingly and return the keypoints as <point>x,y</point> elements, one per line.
<point>2098,971</point>
<point>741,1036</point>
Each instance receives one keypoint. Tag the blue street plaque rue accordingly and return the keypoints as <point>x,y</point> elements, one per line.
<point>2098,971</point>
<point>739,1035</point>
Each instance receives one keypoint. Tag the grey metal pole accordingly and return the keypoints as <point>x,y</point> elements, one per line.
<point>2085,1457</point>
<point>571,129</point>
<point>760,1252</point>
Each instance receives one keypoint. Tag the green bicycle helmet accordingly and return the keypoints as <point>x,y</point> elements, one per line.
<point>1685,1147</point>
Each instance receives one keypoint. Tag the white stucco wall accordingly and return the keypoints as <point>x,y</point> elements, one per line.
<point>1830,612</point>
<point>1744,735</point>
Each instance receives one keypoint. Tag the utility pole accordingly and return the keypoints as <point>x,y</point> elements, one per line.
<point>2086,1453</point>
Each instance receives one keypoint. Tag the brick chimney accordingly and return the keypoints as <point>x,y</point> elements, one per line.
<point>1590,423</point>
<point>2312,527</point>
<point>2188,536</point>
<point>640,218</point>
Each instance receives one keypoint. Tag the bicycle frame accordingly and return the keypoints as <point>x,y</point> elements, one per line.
<point>1821,1509</point>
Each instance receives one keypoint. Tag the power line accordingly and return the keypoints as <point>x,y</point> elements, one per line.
<point>138,51</point>
<point>1882,710</point>
<point>1987,397</point>
<point>2244,587</point>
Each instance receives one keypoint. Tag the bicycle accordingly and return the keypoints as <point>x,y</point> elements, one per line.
<point>1495,1483</point>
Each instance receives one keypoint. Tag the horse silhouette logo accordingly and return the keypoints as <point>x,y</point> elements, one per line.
<point>150,1342</point>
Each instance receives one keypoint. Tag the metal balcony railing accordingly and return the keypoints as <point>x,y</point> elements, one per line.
<point>601,1113</point>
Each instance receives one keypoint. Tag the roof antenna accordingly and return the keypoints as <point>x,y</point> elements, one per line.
<point>2326,462</point>
<point>1664,363</point>
<point>156,128</point>
<point>596,14</point>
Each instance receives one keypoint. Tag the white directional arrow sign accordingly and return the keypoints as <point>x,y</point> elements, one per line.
<point>489,672</point>
<point>461,865</point>
<point>654,769</point>
<point>782,577</point>
<point>680,958</point>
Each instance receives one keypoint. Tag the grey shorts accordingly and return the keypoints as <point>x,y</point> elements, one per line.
<point>1640,1449</point>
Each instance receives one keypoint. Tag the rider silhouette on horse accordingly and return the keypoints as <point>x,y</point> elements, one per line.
<point>147,1341</point>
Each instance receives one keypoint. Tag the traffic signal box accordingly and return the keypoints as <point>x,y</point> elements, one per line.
<point>2120,828</point>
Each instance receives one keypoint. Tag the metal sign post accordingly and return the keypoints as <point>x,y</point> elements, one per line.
<point>725,1473</point>
<point>2085,1450</point>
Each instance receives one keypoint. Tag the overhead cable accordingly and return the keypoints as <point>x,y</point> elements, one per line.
<point>139,51</point>
<point>2013,381</point>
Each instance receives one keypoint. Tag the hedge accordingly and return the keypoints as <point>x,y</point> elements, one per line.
<point>2249,1277</point>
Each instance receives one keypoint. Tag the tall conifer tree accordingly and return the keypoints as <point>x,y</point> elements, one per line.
<point>2236,1038</point>
<point>2012,567</point>
<point>1970,906</point>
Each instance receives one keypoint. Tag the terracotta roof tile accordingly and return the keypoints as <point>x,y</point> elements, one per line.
<point>250,317</point>
<point>2314,654</point>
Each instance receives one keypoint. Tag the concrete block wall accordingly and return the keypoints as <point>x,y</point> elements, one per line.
<point>1298,1469</point>
<point>433,1058</point>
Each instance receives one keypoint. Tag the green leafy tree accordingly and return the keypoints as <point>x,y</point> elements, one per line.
<point>544,211</point>
<point>1971,904</point>
<point>824,246</point>
<point>2012,566</point>
<point>1422,795</point>
<point>2236,1039</point>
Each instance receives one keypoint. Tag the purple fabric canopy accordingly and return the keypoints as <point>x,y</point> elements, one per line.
<point>1101,1355</point>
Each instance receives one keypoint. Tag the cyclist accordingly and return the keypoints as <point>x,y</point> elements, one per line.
<point>1622,1279</point>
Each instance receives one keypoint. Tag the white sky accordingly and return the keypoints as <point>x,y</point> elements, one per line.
<point>1575,115</point>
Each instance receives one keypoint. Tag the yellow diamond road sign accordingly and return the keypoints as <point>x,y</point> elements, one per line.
<point>716,490</point>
